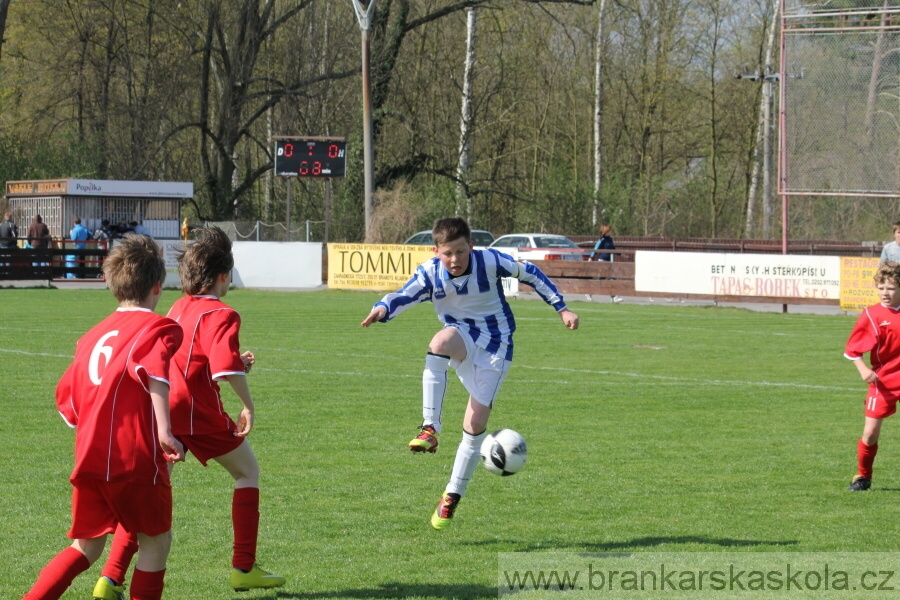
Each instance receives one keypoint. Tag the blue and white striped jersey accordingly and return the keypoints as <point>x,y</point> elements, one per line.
<point>473,302</point>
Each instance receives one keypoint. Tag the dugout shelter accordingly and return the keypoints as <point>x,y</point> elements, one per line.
<point>155,204</point>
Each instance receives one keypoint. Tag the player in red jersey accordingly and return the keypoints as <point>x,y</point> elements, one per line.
<point>877,331</point>
<point>210,353</point>
<point>115,395</point>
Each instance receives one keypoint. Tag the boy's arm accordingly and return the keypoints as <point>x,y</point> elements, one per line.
<point>418,289</point>
<point>377,314</point>
<point>528,273</point>
<point>159,396</point>
<point>242,389</point>
<point>569,318</point>
<point>867,374</point>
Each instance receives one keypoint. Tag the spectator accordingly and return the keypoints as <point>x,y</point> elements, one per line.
<point>80,235</point>
<point>891,250</point>
<point>38,233</point>
<point>140,229</point>
<point>103,234</point>
<point>122,228</point>
<point>38,236</point>
<point>8,232</point>
<point>604,243</point>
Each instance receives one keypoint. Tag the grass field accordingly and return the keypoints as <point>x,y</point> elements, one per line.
<point>651,428</point>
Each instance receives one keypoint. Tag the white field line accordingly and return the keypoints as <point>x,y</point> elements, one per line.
<point>590,372</point>
<point>657,379</point>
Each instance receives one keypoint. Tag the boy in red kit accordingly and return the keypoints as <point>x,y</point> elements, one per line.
<point>210,353</point>
<point>115,395</point>
<point>877,331</point>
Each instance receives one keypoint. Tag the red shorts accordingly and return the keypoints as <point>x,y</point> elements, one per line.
<point>880,403</point>
<point>98,506</point>
<point>210,445</point>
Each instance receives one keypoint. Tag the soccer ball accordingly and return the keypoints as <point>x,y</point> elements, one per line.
<point>504,452</point>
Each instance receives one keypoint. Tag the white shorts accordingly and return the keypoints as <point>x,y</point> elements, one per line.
<point>481,372</point>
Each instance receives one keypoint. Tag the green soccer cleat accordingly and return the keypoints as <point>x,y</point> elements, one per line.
<point>427,441</point>
<point>105,590</point>
<point>444,511</point>
<point>255,578</point>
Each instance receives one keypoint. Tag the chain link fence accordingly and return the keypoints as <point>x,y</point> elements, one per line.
<point>260,231</point>
<point>840,83</point>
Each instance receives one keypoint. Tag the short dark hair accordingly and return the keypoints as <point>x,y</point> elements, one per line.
<point>449,229</point>
<point>201,263</point>
<point>133,267</point>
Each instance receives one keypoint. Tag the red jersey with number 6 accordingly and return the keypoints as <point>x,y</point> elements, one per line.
<point>105,395</point>
<point>209,354</point>
<point>877,331</point>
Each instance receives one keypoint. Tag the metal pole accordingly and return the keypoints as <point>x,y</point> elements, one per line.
<point>287,218</point>
<point>364,17</point>
<point>327,207</point>
<point>767,153</point>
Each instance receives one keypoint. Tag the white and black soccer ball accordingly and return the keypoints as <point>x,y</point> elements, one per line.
<point>504,452</point>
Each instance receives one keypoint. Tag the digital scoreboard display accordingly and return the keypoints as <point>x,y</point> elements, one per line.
<point>310,158</point>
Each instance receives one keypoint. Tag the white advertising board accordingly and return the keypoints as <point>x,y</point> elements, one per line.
<point>260,264</point>
<point>716,274</point>
<point>277,264</point>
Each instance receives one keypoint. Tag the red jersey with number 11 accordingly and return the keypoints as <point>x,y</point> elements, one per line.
<point>105,395</point>
<point>877,331</point>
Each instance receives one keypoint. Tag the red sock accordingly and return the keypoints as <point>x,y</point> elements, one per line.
<point>245,519</point>
<point>865,455</point>
<point>124,547</point>
<point>57,576</point>
<point>147,585</point>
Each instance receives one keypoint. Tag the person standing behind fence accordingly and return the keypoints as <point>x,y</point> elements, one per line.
<point>8,232</point>
<point>79,234</point>
<point>139,228</point>
<point>38,233</point>
<point>891,250</point>
<point>604,243</point>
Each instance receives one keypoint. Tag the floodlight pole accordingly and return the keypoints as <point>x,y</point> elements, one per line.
<point>364,17</point>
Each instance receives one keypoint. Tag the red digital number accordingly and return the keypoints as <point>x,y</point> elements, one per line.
<point>317,168</point>
<point>304,168</point>
<point>288,150</point>
<point>333,151</point>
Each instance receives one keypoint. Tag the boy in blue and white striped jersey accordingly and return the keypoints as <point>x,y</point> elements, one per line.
<point>465,287</point>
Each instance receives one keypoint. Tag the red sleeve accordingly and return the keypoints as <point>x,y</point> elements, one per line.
<point>222,343</point>
<point>863,338</point>
<point>152,352</point>
<point>65,401</point>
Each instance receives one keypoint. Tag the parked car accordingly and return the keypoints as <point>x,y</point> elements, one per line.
<point>539,246</point>
<point>423,238</point>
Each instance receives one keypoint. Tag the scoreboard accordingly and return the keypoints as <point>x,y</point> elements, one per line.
<point>310,157</point>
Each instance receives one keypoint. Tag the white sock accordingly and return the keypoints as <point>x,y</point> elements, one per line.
<point>468,455</point>
<point>434,386</point>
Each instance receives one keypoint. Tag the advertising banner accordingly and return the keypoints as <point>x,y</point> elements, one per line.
<point>857,283</point>
<point>378,267</point>
<point>716,274</point>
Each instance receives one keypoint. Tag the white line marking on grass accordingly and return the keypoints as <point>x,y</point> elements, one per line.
<point>693,379</point>
<point>27,353</point>
<point>656,378</point>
